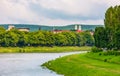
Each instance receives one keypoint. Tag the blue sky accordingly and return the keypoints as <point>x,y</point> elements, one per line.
<point>54,12</point>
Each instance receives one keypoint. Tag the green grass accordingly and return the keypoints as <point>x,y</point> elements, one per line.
<point>43,49</point>
<point>106,58</point>
<point>82,65</point>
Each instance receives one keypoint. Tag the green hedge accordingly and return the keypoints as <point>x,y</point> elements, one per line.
<point>95,49</point>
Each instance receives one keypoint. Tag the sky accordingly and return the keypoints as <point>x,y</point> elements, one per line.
<point>54,12</point>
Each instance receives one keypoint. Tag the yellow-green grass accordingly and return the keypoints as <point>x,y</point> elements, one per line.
<point>81,65</point>
<point>54,49</point>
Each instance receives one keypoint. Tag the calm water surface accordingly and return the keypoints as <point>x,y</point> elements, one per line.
<point>27,64</point>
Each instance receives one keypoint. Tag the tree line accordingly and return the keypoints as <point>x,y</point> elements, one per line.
<point>109,36</point>
<point>44,38</point>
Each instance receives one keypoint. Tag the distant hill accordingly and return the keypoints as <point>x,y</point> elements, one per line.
<point>50,28</point>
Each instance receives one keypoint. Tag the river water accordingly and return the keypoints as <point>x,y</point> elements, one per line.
<point>28,64</point>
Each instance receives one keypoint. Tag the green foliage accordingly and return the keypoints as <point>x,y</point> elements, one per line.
<point>2,29</point>
<point>61,40</point>
<point>40,38</point>
<point>23,39</point>
<point>116,53</point>
<point>89,40</point>
<point>117,39</point>
<point>49,38</point>
<point>95,49</point>
<point>10,39</point>
<point>100,37</point>
<point>109,37</point>
<point>44,38</point>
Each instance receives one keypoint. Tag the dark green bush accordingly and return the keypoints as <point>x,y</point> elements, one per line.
<point>105,60</point>
<point>100,54</point>
<point>116,53</point>
<point>95,49</point>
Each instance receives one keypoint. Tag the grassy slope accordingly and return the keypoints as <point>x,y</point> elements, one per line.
<point>81,65</point>
<point>42,49</point>
<point>101,57</point>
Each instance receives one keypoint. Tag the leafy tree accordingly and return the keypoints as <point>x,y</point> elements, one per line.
<point>40,38</point>
<point>101,38</point>
<point>49,38</point>
<point>117,39</point>
<point>71,38</point>
<point>23,39</point>
<point>60,39</point>
<point>32,39</point>
<point>80,39</point>
<point>89,40</point>
<point>2,32</point>
<point>2,29</point>
<point>43,38</point>
<point>109,36</point>
<point>10,39</point>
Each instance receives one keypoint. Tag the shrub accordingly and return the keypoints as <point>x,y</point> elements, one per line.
<point>105,60</point>
<point>100,54</point>
<point>95,49</point>
<point>116,53</point>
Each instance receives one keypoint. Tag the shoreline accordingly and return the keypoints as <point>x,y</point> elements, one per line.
<point>81,65</point>
<point>39,49</point>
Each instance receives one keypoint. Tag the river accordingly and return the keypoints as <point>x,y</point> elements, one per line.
<point>28,64</point>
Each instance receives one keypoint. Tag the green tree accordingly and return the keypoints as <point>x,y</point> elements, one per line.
<point>23,38</point>
<point>2,34</point>
<point>117,39</point>
<point>80,39</point>
<point>40,38</point>
<point>2,29</point>
<point>89,40</point>
<point>32,39</point>
<point>49,38</point>
<point>109,36</point>
<point>60,40</point>
<point>10,39</point>
<point>100,37</point>
<point>71,38</point>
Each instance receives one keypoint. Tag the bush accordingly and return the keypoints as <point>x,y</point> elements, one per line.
<point>109,53</point>
<point>105,60</point>
<point>95,49</point>
<point>116,53</point>
<point>100,54</point>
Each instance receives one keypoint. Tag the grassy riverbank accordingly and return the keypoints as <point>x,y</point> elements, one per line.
<point>90,64</point>
<point>42,49</point>
<point>103,57</point>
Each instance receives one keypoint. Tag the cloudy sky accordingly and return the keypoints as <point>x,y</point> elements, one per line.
<point>54,12</point>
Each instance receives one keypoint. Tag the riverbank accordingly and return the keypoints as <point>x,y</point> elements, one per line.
<point>54,49</point>
<point>90,64</point>
<point>28,64</point>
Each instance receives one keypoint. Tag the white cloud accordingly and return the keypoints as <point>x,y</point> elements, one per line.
<point>72,7</point>
<point>112,2</point>
<point>46,21</point>
<point>14,10</point>
<point>17,11</point>
<point>82,7</point>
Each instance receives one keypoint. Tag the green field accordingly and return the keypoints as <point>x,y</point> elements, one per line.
<point>54,49</point>
<point>90,64</point>
<point>106,58</point>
